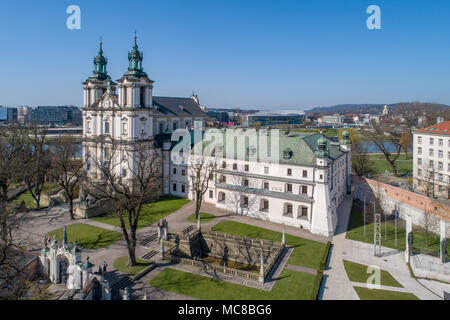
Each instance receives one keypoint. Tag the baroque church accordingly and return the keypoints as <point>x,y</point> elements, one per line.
<point>126,112</point>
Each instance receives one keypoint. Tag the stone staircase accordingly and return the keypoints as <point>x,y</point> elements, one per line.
<point>149,239</point>
<point>121,283</point>
<point>188,229</point>
<point>149,255</point>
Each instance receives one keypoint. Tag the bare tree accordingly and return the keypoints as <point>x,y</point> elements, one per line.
<point>12,142</point>
<point>240,199</point>
<point>426,174</point>
<point>36,163</point>
<point>362,165</point>
<point>202,169</point>
<point>386,137</point>
<point>429,223</point>
<point>66,169</point>
<point>406,142</point>
<point>131,176</point>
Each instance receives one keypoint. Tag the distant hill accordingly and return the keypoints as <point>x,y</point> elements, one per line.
<point>377,108</point>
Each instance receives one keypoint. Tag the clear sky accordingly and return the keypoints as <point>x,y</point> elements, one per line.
<point>246,53</point>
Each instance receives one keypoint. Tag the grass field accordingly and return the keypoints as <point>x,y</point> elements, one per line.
<point>121,264</point>
<point>355,231</point>
<point>151,212</point>
<point>292,285</point>
<point>28,199</point>
<point>358,273</point>
<point>204,217</point>
<point>88,237</point>
<point>380,164</point>
<point>376,294</point>
<point>307,253</point>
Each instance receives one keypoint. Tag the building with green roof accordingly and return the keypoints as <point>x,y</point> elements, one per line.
<point>294,178</point>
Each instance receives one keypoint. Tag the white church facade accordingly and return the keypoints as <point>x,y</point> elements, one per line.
<point>303,188</point>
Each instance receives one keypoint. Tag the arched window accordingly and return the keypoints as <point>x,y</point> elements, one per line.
<point>107,127</point>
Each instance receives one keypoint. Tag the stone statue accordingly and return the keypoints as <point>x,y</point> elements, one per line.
<point>55,240</point>
<point>410,242</point>
<point>444,250</point>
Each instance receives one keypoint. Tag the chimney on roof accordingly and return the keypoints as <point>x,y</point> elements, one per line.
<point>439,120</point>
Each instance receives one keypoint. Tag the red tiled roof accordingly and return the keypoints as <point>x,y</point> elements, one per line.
<point>439,128</point>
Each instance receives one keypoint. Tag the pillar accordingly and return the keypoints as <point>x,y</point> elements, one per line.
<point>443,241</point>
<point>283,238</point>
<point>261,268</point>
<point>162,249</point>
<point>408,230</point>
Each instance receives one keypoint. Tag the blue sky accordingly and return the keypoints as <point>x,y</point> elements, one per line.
<point>247,53</point>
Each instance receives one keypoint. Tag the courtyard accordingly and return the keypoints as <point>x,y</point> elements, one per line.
<point>310,269</point>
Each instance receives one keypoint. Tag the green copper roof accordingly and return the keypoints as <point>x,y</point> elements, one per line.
<point>135,58</point>
<point>297,148</point>
<point>100,63</point>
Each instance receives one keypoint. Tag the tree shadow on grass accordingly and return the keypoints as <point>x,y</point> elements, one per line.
<point>103,240</point>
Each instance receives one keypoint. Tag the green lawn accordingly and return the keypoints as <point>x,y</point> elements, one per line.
<point>29,200</point>
<point>377,294</point>
<point>292,285</point>
<point>88,237</point>
<point>307,253</point>
<point>151,212</point>
<point>356,232</point>
<point>204,217</point>
<point>380,164</point>
<point>121,264</point>
<point>358,273</point>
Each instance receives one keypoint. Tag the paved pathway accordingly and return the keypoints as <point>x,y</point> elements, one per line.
<point>337,286</point>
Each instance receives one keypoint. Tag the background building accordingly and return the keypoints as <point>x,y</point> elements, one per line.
<point>56,115</point>
<point>272,119</point>
<point>335,119</point>
<point>220,116</point>
<point>431,166</point>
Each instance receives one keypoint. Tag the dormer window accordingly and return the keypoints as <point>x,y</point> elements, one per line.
<point>287,154</point>
<point>251,151</point>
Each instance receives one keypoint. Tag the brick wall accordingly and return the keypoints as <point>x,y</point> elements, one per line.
<point>440,208</point>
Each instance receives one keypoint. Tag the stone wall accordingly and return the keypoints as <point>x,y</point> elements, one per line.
<point>84,210</point>
<point>240,249</point>
<point>404,201</point>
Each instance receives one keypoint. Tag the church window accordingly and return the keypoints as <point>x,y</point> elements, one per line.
<point>106,127</point>
<point>124,128</point>
<point>142,96</point>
